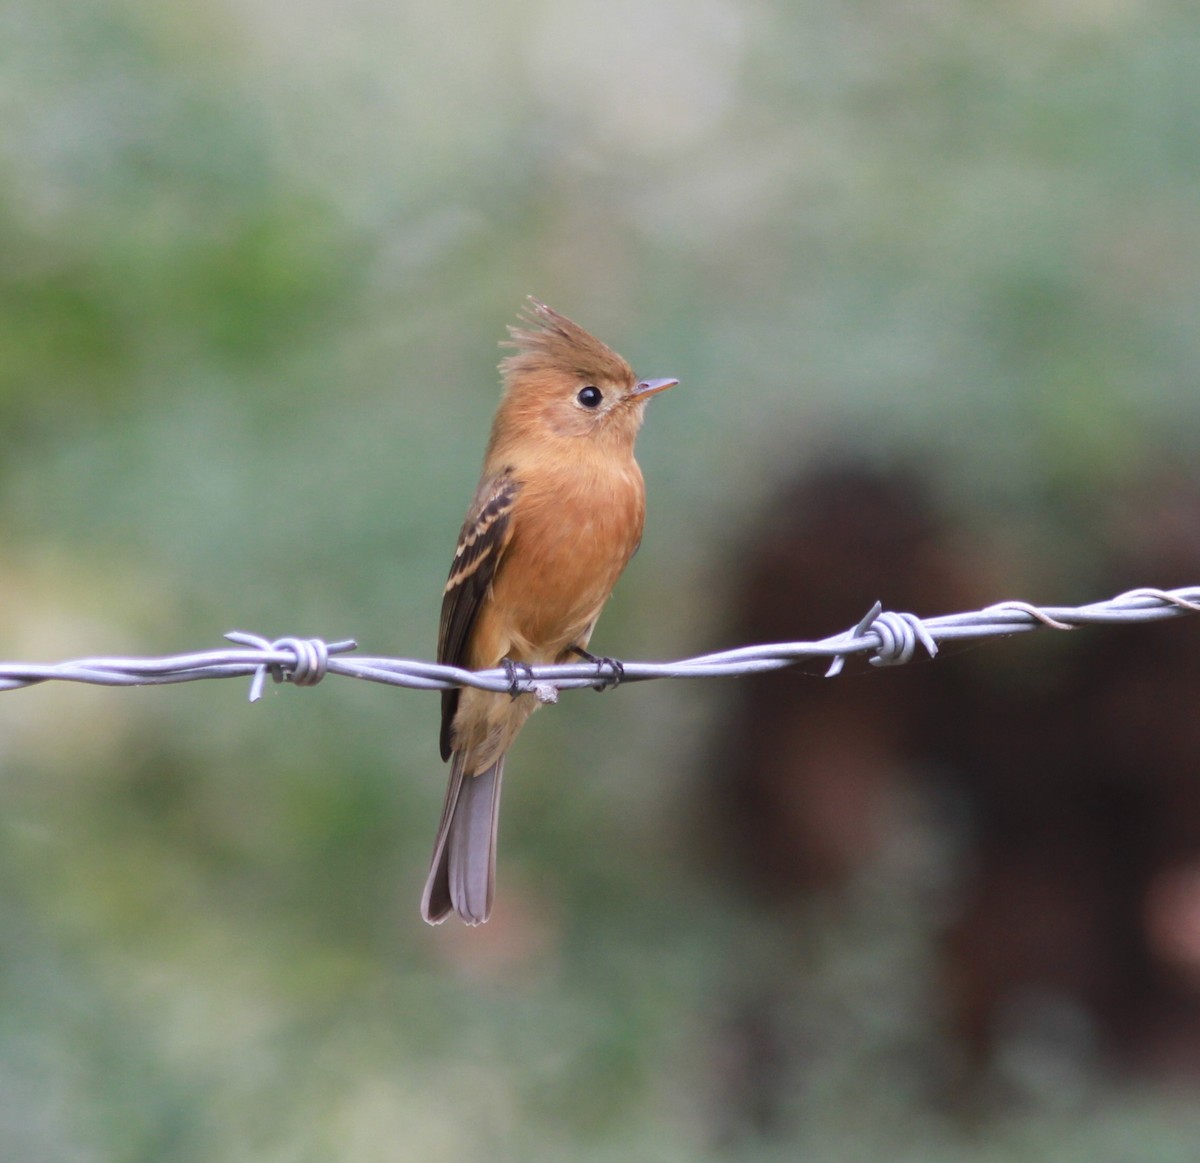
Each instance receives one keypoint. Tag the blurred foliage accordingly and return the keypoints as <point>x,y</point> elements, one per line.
<point>254,261</point>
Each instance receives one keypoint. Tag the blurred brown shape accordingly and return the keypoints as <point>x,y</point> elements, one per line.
<point>1072,764</point>
<point>808,767</point>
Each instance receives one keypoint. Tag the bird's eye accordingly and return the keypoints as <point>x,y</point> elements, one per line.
<point>590,397</point>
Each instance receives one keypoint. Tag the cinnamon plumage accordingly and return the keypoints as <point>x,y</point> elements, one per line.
<point>557,515</point>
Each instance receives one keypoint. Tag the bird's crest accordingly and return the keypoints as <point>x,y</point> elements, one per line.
<point>548,341</point>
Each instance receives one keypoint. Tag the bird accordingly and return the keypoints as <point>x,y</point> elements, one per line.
<point>557,515</point>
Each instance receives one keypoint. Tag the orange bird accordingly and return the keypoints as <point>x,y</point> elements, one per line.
<point>557,515</point>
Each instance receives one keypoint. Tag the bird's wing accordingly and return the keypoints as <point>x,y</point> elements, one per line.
<point>485,535</point>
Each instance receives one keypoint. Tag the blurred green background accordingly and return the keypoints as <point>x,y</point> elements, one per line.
<point>255,259</point>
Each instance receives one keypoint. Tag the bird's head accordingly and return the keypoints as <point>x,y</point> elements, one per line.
<point>562,382</point>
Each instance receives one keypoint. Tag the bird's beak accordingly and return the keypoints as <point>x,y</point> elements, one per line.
<point>651,387</point>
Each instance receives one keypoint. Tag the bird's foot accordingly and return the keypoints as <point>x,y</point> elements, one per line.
<point>614,666</point>
<point>515,682</point>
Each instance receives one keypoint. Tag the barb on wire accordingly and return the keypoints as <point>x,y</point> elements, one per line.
<point>888,638</point>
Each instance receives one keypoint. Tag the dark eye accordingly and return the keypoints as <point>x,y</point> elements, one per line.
<point>590,397</point>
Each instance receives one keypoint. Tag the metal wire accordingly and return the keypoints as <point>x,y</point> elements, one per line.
<point>890,639</point>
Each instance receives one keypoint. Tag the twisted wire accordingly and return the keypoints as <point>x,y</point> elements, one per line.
<point>888,638</point>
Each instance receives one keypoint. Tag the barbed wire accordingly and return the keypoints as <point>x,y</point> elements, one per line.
<point>889,638</point>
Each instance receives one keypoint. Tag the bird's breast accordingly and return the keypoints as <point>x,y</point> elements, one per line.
<point>573,533</point>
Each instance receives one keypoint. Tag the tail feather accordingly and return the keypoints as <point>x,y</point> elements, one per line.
<point>462,875</point>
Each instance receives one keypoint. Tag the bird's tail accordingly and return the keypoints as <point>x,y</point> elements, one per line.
<point>463,873</point>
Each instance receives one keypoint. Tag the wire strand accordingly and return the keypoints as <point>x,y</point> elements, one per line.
<point>887,637</point>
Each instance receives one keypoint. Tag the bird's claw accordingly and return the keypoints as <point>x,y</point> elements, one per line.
<point>615,666</point>
<point>511,668</point>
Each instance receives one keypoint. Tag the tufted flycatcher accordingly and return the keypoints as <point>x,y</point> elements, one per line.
<point>557,515</point>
